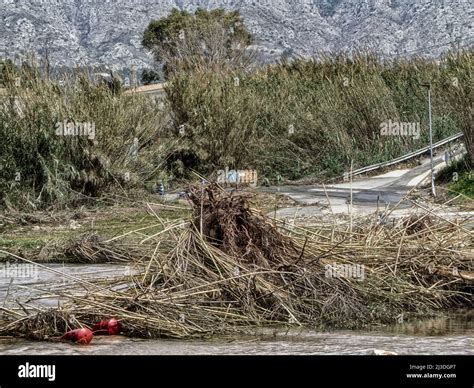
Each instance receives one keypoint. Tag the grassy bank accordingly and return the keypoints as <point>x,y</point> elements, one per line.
<point>60,236</point>
<point>457,183</point>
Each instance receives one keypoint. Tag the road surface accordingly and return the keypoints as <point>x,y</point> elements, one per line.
<point>368,194</point>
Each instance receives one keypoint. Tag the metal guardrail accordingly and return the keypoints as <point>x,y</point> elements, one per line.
<point>400,159</point>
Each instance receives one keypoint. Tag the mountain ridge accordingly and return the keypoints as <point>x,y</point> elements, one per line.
<point>90,32</point>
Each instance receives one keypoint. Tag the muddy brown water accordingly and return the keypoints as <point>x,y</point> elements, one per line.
<point>445,335</point>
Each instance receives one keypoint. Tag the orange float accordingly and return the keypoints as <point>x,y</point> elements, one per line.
<point>107,327</point>
<point>81,336</point>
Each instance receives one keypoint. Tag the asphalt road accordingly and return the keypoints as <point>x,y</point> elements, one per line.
<point>368,194</point>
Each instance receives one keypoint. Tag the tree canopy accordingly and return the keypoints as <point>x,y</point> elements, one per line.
<point>183,40</point>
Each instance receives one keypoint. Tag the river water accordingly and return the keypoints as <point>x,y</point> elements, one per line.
<point>444,335</point>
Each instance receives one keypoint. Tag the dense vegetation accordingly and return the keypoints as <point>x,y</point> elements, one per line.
<point>312,117</point>
<point>296,119</point>
<point>40,167</point>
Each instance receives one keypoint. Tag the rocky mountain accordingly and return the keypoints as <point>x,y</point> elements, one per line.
<point>92,32</point>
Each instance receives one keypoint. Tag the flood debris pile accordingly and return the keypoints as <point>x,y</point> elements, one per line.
<point>45,325</point>
<point>246,271</point>
<point>90,248</point>
<point>232,268</point>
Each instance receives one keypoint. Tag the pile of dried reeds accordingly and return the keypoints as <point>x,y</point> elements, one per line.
<point>91,248</point>
<point>233,268</point>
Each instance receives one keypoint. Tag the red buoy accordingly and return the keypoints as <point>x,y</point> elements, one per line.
<point>81,336</point>
<point>107,327</point>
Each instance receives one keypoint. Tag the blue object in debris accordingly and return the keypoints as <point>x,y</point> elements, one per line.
<point>232,176</point>
<point>161,190</point>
